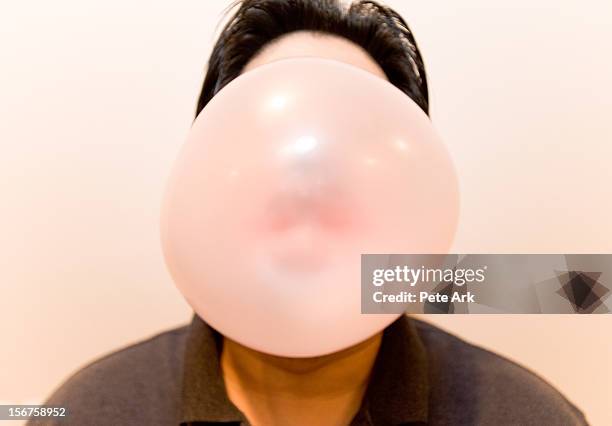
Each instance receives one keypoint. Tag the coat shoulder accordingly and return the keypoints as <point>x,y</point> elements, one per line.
<point>486,388</point>
<point>139,384</point>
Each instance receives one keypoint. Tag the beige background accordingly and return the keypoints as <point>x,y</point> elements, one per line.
<point>96,97</point>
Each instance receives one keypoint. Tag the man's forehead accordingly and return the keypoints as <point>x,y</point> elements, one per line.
<point>316,44</point>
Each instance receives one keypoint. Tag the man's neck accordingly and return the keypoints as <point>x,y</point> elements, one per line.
<point>273,390</point>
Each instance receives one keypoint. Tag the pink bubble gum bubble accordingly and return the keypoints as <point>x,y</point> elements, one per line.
<point>289,174</point>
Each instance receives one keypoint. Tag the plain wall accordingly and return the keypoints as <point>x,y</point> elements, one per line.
<point>95,101</point>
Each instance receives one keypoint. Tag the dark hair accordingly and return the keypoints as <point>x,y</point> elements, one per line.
<point>376,28</point>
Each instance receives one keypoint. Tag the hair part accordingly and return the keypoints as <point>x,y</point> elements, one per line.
<point>378,29</point>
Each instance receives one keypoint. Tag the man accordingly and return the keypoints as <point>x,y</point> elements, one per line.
<point>409,374</point>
